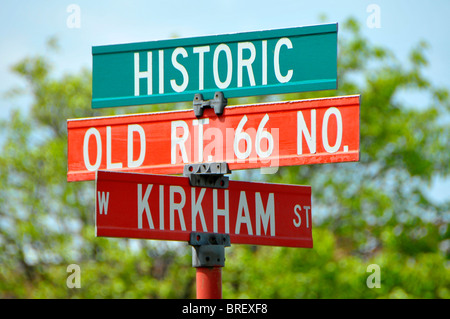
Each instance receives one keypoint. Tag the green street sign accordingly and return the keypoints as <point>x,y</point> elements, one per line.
<point>241,64</point>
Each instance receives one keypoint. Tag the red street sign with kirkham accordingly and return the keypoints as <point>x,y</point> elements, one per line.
<point>164,207</point>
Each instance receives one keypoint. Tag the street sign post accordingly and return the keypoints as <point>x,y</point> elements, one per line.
<point>206,209</point>
<point>165,207</point>
<point>277,134</point>
<point>241,64</point>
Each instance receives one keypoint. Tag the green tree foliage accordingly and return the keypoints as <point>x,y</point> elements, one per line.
<point>376,211</point>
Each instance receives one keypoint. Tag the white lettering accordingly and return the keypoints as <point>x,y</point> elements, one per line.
<point>297,210</point>
<point>103,201</point>
<point>201,65</point>
<point>337,145</point>
<point>226,49</point>
<point>302,128</point>
<point>181,68</point>
<point>143,205</point>
<point>374,280</point>
<point>144,74</point>
<point>276,60</point>
<point>87,163</point>
<point>200,124</point>
<point>139,129</point>
<point>240,135</point>
<point>197,209</point>
<point>241,63</point>
<point>243,207</point>
<point>244,54</point>
<point>161,207</point>
<point>307,208</point>
<point>374,19</point>
<point>221,212</point>
<point>265,216</point>
<point>74,279</point>
<point>264,62</point>
<point>264,134</point>
<point>161,71</point>
<point>177,206</point>
<point>215,147</point>
<point>199,309</point>
<point>299,222</point>
<point>109,164</point>
<point>175,140</point>
<point>74,19</point>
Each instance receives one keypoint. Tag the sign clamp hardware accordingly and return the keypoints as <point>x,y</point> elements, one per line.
<point>208,249</point>
<point>208,259</point>
<point>207,174</point>
<point>218,104</point>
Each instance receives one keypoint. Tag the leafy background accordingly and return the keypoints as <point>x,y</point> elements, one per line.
<point>375,211</point>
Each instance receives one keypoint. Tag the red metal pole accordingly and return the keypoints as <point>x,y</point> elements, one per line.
<point>209,282</point>
<point>208,257</point>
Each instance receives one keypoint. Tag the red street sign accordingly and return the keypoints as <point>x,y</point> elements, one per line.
<point>249,136</point>
<point>132,205</point>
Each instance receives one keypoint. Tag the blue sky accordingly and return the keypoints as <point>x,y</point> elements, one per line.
<point>25,26</point>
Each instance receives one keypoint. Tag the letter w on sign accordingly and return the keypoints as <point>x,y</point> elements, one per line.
<point>103,199</point>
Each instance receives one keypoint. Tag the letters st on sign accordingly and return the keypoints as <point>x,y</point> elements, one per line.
<point>242,64</point>
<point>250,136</point>
<point>166,207</point>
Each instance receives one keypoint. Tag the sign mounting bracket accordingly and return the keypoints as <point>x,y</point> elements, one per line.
<point>218,104</point>
<point>208,258</point>
<point>209,249</point>
<point>207,174</point>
